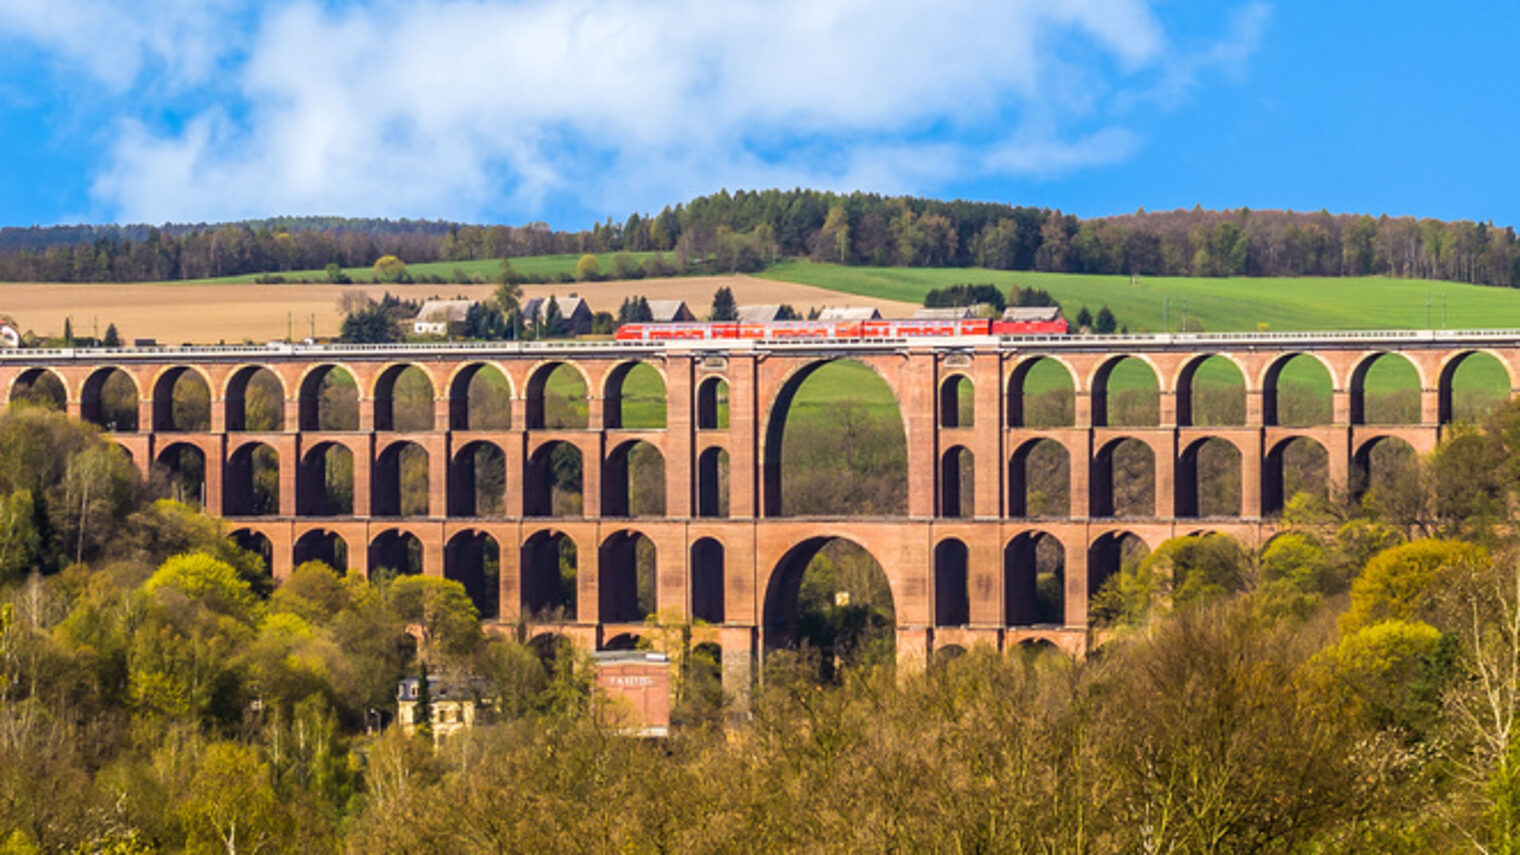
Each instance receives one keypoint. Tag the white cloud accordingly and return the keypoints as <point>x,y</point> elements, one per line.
<point>113,42</point>
<point>454,108</point>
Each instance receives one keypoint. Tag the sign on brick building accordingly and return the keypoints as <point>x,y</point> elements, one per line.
<point>633,691</point>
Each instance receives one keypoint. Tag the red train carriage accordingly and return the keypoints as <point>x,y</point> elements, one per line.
<point>842,330</point>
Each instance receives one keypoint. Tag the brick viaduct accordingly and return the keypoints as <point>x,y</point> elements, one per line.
<point>958,575</point>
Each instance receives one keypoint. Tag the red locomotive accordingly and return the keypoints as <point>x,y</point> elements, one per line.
<point>841,330</point>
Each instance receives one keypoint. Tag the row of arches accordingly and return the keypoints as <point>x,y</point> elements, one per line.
<point>1208,478</point>
<point>632,481</point>
<point>1211,391</point>
<point>479,398</point>
<point>1034,569</point>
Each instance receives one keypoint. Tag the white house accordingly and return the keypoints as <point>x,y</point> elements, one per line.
<point>438,317</point>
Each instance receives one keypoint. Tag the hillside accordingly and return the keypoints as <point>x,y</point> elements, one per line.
<point>1219,304</point>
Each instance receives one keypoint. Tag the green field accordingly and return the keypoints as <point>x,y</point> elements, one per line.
<point>1232,304</point>
<point>534,267</point>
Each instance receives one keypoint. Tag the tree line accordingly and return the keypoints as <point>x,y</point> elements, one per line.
<point>745,230</point>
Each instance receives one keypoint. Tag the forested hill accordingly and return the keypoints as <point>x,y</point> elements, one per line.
<point>745,230</point>
<point>14,238</point>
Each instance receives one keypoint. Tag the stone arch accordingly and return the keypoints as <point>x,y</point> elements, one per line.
<point>548,411</point>
<point>1208,479</point>
<point>1034,580</point>
<point>550,565</point>
<point>256,542</point>
<point>267,391</point>
<point>183,466</point>
<point>110,397</point>
<point>40,386</point>
<point>329,398</point>
<point>708,580</point>
<point>181,400</point>
<point>404,399</point>
<point>957,402</point>
<point>1296,464</point>
<point>478,481</point>
<point>322,545</point>
<point>1039,480</point>
<point>1388,465</point>
<point>1123,479</point>
<point>777,416</point>
<point>623,641</point>
<point>633,481</point>
<point>712,403</point>
<point>401,482</point>
<point>1211,391</point>
<point>1110,552</point>
<point>628,577</point>
<point>1038,395</point>
<point>480,398</point>
<point>712,482</point>
<point>1121,392</point>
<point>644,413</point>
<point>553,481</point>
<point>952,587</point>
<point>1304,397</point>
<point>473,559</point>
<point>251,481</point>
<point>1385,406</point>
<point>943,654</point>
<point>325,481</point>
<point>1454,404</point>
<point>397,550</point>
<point>957,482</point>
<point>781,610</point>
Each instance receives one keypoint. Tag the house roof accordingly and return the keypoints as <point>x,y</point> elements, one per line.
<point>568,306</point>
<point>759,314</point>
<point>669,310</point>
<point>444,311</point>
<point>1032,313</point>
<point>849,313</point>
<point>945,313</point>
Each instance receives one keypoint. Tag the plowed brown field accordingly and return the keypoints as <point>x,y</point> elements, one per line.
<point>174,313</point>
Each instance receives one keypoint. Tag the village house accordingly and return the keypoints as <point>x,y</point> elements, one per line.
<point>457,704</point>
<point>669,311</point>
<point>441,317</point>
<point>762,314</point>
<point>849,313</point>
<point>577,315</point>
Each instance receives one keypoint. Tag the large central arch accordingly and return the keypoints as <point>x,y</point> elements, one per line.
<point>867,613</point>
<point>772,461</point>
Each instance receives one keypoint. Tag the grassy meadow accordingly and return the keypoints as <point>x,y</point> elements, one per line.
<point>533,267</point>
<point>1219,304</point>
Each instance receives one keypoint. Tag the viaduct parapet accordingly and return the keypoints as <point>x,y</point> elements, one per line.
<point>960,563</point>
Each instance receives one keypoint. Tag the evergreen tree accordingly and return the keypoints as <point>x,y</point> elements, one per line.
<point>369,325</point>
<point>68,332</point>
<point>1084,319</point>
<point>723,306</point>
<point>554,325</point>
<point>1106,323</point>
<point>422,719</point>
<point>113,338</point>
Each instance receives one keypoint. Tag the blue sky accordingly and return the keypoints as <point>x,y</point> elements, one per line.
<point>570,112</point>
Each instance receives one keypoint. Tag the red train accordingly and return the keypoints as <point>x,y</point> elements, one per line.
<point>836,330</point>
